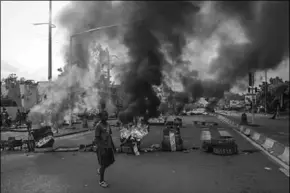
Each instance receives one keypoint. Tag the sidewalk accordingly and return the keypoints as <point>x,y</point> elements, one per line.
<point>277,129</point>
<point>260,115</point>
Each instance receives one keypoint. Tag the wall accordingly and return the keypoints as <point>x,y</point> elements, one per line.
<point>29,95</point>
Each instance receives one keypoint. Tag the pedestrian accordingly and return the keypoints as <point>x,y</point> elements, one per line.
<point>6,118</point>
<point>18,117</point>
<point>105,146</point>
<point>30,140</point>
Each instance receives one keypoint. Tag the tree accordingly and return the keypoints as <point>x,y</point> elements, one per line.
<point>273,92</point>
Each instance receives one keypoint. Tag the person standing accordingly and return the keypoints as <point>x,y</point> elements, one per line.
<point>30,140</point>
<point>105,146</point>
<point>18,117</point>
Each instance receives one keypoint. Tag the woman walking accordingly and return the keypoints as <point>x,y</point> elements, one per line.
<point>105,146</point>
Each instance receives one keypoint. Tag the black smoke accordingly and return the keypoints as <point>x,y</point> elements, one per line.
<point>161,23</point>
<point>266,24</point>
<point>80,16</point>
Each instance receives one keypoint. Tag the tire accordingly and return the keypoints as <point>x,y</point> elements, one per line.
<point>227,149</point>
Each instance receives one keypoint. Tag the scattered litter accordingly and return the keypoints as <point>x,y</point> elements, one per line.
<point>266,168</point>
<point>173,171</point>
<point>86,185</point>
<point>62,158</point>
<point>190,149</point>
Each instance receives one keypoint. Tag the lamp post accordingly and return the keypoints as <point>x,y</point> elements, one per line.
<point>50,26</point>
<point>266,88</point>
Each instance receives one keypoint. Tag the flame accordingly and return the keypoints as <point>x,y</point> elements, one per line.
<point>74,91</point>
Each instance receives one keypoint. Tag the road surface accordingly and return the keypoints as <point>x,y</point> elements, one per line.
<point>153,172</point>
<point>277,129</point>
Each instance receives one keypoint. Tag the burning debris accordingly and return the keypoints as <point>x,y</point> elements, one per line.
<point>132,134</point>
<point>162,23</point>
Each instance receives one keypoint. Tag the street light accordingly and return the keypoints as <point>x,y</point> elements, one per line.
<point>50,26</point>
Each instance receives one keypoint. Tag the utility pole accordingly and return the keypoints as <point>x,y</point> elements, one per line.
<point>251,91</point>
<point>50,43</point>
<point>253,102</point>
<point>266,91</point>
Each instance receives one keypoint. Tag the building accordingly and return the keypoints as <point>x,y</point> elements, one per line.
<point>29,95</point>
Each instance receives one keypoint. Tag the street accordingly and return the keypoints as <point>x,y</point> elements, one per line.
<point>155,172</point>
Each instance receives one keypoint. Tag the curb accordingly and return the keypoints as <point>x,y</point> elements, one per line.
<point>264,116</point>
<point>72,133</point>
<point>273,147</point>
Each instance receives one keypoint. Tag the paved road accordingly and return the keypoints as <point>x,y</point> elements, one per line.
<point>154,172</point>
<point>275,129</point>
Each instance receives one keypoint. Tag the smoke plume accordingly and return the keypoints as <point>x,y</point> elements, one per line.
<point>245,36</point>
<point>221,42</point>
<point>266,25</point>
<point>162,23</point>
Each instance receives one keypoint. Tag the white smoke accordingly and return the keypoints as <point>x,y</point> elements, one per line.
<point>73,92</point>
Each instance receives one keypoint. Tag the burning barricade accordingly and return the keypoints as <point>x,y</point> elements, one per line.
<point>131,136</point>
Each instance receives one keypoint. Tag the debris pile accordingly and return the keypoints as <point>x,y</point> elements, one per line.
<point>131,136</point>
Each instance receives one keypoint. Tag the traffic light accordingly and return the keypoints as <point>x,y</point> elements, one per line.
<point>256,89</point>
<point>249,90</point>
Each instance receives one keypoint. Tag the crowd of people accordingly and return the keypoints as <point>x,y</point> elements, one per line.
<point>6,119</point>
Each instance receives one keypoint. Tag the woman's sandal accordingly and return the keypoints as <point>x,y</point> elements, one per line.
<point>103,184</point>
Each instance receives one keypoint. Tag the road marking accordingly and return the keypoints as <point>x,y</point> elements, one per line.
<point>281,163</point>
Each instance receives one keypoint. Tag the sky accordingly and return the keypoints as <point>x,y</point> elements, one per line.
<point>24,47</point>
